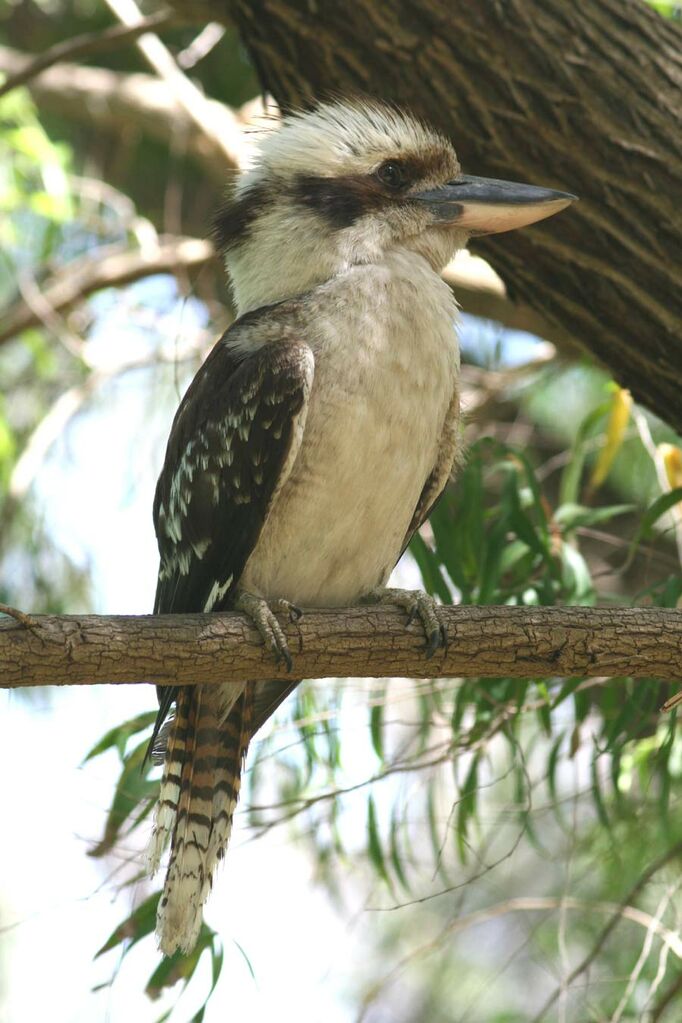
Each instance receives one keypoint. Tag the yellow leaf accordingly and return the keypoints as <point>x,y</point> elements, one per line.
<point>671,457</point>
<point>619,417</point>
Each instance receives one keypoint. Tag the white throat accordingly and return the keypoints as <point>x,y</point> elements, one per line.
<point>287,254</point>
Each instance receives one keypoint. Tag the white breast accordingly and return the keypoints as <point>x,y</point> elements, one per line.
<point>386,366</point>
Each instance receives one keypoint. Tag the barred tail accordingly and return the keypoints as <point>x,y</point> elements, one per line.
<point>199,793</point>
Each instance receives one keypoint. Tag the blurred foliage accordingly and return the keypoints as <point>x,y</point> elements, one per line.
<point>667,8</point>
<point>36,215</point>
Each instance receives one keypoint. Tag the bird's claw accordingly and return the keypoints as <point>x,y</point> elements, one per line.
<point>286,607</point>
<point>263,616</point>
<point>438,638</point>
<point>418,605</point>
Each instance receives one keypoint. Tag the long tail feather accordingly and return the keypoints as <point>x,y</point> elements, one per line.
<point>199,793</point>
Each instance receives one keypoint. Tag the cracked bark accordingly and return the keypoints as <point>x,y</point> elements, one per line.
<point>368,642</point>
<point>582,97</point>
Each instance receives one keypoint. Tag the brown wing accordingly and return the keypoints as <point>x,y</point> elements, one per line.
<point>232,444</point>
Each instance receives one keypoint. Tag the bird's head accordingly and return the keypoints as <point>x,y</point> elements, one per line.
<point>345,184</point>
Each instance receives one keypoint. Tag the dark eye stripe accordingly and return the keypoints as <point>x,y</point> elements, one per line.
<point>341,201</point>
<point>233,221</point>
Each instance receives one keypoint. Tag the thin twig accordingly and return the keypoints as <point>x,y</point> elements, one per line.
<point>19,616</point>
<point>644,953</point>
<point>666,999</point>
<point>658,864</point>
<point>201,45</point>
<point>527,905</point>
<point>47,315</point>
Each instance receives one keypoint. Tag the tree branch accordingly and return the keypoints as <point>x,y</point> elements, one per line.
<point>113,266</point>
<point>89,43</point>
<point>360,641</point>
<point>190,98</point>
<point>113,101</point>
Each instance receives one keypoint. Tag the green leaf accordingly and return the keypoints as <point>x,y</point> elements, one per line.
<point>374,849</point>
<point>139,924</point>
<point>512,554</point>
<point>119,735</point>
<point>597,795</point>
<point>670,593</point>
<point>132,790</point>
<point>448,535</point>
<point>467,800</point>
<point>396,858</point>
<point>576,576</point>
<point>582,704</point>
<point>524,528</point>
<point>572,474</point>
<point>543,711</point>
<point>667,8</point>
<point>569,686</point>
<point>376,727</point>
<point>165,1016</point>
<point>651,516</point>
<point>573,516</point>
<point>536,499</point>
<point>458,525</point>
<point>179,967</point>
<point>246,959</point>
<point>492,561</point>
<point>552,764</point>
<point>430,569</point>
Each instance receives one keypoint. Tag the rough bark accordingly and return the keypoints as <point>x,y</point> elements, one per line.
<point>361,641</point>
<point>583,97</point>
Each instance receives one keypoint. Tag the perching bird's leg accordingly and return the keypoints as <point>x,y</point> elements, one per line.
<point>262,614</point>
<point>417,604</point>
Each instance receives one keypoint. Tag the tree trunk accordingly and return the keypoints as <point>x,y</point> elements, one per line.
<point>583,97</point>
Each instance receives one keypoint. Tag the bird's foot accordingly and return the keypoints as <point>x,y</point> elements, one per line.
<point>262,613</point>
<point>418,605</point>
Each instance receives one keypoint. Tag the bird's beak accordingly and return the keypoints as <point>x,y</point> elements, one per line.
<point>488,206</point>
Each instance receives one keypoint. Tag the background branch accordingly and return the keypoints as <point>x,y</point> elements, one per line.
<point>89,43</point>
<point>360,641</point>
<point>113,101</point>
<point>112,267</point>
<point>222,131</point>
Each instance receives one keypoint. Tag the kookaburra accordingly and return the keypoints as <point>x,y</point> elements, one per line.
<point>320,430</point>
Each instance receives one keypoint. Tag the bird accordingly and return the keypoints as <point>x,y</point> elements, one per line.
<point>319,432</point>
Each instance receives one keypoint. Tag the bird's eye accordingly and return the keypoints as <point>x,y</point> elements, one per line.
<point>392,174</point>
